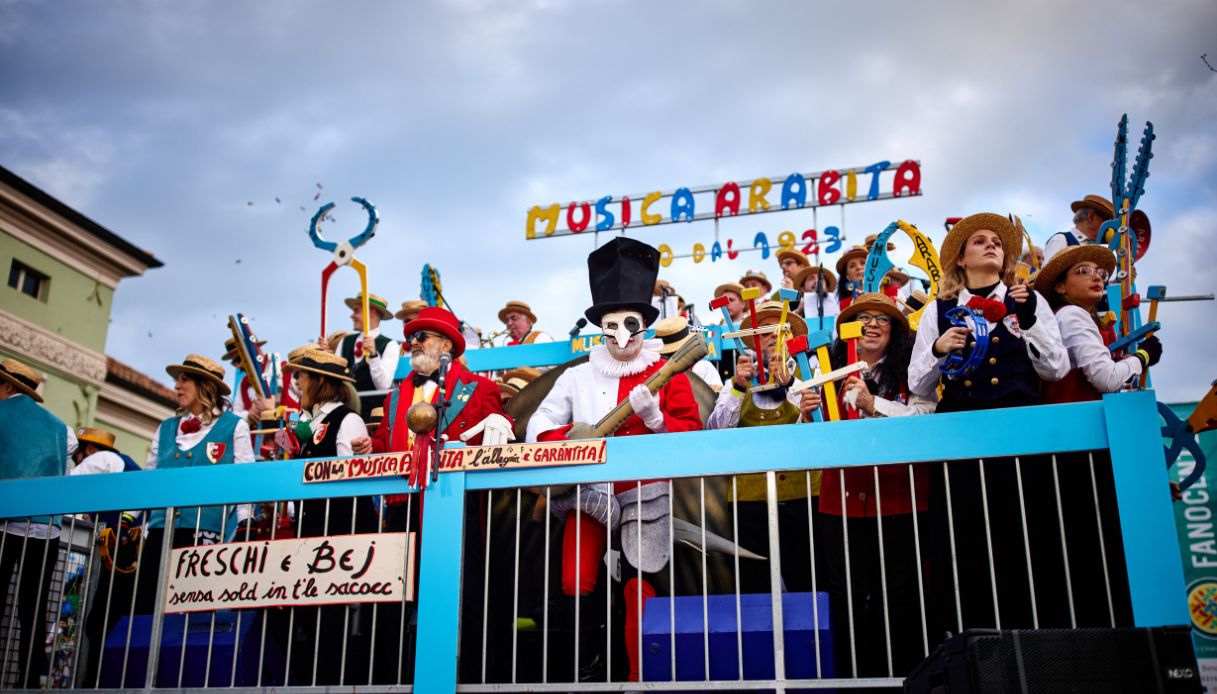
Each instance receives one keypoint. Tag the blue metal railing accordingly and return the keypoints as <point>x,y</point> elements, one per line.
<point>1126,424</point>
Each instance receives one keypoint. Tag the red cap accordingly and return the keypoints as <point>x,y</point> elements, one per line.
<point>438,320</point>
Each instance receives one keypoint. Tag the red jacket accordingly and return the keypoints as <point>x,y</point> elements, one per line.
<point>474,397</point>
<point>676,401</point>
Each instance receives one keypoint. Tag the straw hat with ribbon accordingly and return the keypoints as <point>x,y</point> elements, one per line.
<point>375,303</point>
<point>511,387</point>
<point>1098,203</point>
<point>310,347</point>
<point>874,302</point>
<point>517,307</point>
<point>758,276</point>
<point>830,280</point>
<point>871,239</point>
<point>1011,240</point>
<point>1054,270</point>
<point>773,309</point>
<point>674,332</point>
<point>230,347</point>
<point>855,252</point>
<point>527,374</point>
<point>98,437</point>
<point>409,310</point>
<point>22,377</point>
<point>320,362</point>
<point>198,365</point>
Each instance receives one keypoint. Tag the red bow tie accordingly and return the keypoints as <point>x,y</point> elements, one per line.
<point>191,425</point>
<point>991,309</point>
<point>358,349</point>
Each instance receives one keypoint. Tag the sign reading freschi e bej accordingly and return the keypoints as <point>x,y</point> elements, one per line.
<point>376,567</point>
<point>471,458</point>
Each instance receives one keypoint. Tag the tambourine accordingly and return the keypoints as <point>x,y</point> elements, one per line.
<point>965,361</point>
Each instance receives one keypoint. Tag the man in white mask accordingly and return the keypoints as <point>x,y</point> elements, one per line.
<point>622,275</point>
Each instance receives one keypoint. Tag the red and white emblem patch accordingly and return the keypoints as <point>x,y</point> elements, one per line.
<point>215,451</point>
<point>319,434</point>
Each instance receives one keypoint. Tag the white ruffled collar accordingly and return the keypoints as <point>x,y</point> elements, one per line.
<point>606,365</point>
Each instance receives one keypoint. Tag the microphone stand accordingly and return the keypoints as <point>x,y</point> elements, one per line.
<point>442,401</point>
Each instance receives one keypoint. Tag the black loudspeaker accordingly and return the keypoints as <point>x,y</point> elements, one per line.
<point>1048,661</point>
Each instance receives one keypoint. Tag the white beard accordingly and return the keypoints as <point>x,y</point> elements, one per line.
<point>424,363</point>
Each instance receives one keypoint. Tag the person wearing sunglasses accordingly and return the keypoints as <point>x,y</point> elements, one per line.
<point>1075,281</point>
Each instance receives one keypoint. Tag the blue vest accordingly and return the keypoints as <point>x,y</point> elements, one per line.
<point>169,456</point>
<point>33,443</point>
<point>1007,369</point>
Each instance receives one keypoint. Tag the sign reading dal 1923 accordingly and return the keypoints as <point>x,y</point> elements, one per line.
<point>376,567</point>
<point>512,455</point>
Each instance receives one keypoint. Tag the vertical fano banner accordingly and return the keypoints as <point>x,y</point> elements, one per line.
<point>1194,519</point>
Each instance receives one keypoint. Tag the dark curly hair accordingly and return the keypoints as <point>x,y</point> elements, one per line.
<point>893,376</point>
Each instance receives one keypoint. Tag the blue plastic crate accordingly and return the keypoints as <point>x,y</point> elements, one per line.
<point>757,619</point>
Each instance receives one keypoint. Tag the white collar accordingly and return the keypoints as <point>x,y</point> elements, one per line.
<point>998,294</point>
<point>374,332</point>
<point>606,365</point>
<point>323,409</point>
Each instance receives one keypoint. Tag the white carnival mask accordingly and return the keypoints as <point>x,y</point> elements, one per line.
<point>622,325</point>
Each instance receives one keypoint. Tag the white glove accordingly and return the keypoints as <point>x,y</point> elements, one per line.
<point>495,430</point>
<point>646,406</point>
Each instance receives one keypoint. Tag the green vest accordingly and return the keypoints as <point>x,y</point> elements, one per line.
<point>790,485</point>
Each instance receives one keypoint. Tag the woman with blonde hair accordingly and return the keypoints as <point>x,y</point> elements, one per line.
<point>977,526</point>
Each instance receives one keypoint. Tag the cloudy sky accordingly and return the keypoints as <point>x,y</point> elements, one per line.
<point>163,122</point>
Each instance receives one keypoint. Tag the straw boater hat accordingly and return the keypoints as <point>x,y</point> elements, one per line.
<point>873,301</point>
<point>517,307</point>
<point>1045,280</point>
<point>1011,240</point>
<point>230,347</point>
<point>199,365</point>
<point>409,309</point>
<point>22,377</point>
<point>792,253</point>
<point>855,252</point>
<point>898,273</point>
<point>773,309</point>
<point>674,331</point>
<point>374,418</point>
<point>98,437</point>
<point>759,276</point>
<point>527,374</point>
<point>511,387</point>
<point>295,353</point>
<point>735,287</point>
<point>335,338</point>
<point>830,280</point>
<point>375,303</point>
<point>1098,203</point>
<point>321,362</point>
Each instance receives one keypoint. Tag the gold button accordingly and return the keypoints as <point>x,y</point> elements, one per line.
<point>187,455</point>
<point>992,360</point>
<point>177,455</point>
<point>967,384</point>
<point>996,339</point>
<point>993,380</point>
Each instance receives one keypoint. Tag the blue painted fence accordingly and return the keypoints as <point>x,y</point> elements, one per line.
<point>1126,423</point>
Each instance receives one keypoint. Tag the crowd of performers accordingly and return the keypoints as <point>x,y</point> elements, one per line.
<point>1048,344</point>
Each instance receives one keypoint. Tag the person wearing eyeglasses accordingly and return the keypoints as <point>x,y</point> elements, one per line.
<point>1075,281</point>
<point>851,495</point>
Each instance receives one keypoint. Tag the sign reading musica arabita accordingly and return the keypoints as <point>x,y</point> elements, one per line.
<point>512,455</point>
<point>377,567</point>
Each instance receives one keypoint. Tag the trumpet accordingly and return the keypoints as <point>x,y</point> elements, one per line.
<point>489,340</point>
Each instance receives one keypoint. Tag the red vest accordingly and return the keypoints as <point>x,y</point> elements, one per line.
<point>1074,387</point>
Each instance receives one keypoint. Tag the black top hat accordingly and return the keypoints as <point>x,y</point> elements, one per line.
<point>622,276</point>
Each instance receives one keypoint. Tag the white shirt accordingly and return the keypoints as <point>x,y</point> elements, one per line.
<point>809,309</point>
<point>1060,241</point>
<point>708,372</point>
<point>1087,351</point>
<point>98,463</point>
<point>1043,340</point>
<point>242,448</point>
<point>587,392</point>
<point>351,427</point>
<point>382,366</point>
<point>730,401</point>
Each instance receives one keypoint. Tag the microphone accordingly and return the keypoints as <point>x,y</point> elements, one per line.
<point>574,332</point>
<point>445,360</point>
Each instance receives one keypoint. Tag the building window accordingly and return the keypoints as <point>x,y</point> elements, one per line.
<point>27,280</point>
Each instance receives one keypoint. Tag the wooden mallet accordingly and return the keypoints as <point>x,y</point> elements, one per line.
<point>798,347</point>
<point>721,304</point>
<point>819,341</point>
<point>751,294</point>
<point>1155,294</point>
<point>850,332</point>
